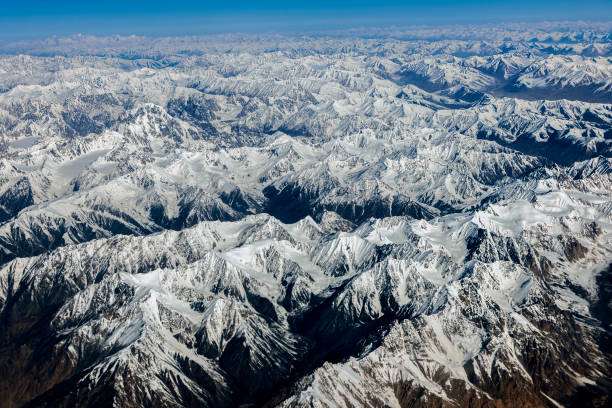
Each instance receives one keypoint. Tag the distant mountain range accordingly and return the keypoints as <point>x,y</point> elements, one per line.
<point>403,217</point>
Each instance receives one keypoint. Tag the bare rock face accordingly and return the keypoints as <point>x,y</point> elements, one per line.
<point>341,222</point>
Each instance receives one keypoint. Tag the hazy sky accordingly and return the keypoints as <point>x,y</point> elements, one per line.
<point>37,18</point>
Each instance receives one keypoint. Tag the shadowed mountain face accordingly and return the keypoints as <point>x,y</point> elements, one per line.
<point>388,218</point>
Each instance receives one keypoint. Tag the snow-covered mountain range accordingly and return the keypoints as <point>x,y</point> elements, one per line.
<point>371,218</point>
